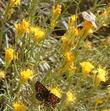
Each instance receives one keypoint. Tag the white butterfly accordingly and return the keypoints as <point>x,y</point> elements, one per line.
<point>89,17</point>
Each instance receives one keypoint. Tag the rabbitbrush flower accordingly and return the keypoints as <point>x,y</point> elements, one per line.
<point>9,55</point>
<point>25,75</point>
<point>87,67</point>
<point>56,91</point>
<point>102,74</point>
<point>22,27</point>
<point>69,57</point>
<point>56,11</point>
<point>70,97</point>
<point>2,74</point>
<point>18,106</point>
<point>14,2</point>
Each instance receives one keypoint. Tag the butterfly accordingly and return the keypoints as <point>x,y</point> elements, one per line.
<point>89,17</point>
<point>43,94</point>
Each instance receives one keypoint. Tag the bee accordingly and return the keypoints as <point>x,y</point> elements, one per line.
<point>89,16</point>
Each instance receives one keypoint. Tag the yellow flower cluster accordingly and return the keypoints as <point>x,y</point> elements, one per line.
<point>15,2</point>
<point>68,39</point>
<point>2,74</point>
<point>101,76</point>
<point>25,75</point>
<point>25,27</point>
<point>71,24</point>
<point>18,106</point>
<point>72,20</point>
<point>22,27</point>
<point>87,67</point>
<point>70,97</point>
<point>69,66</point>
<point>69,57</point>
<point>39,34</point>
<point>56,11</point>
<point>9,55</point>
<point>66,43</point>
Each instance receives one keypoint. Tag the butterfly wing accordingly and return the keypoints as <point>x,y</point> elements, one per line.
<point>43,94</point>
<point>41,91</point>
<point>53,100</point>
<point>86,16</point>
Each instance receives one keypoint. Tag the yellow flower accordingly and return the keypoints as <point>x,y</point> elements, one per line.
<point>2,74</point>
<point>67,43</point>
<point>56,91</point>
<point>76,31</point>
<point>18,106</point>
<point>9,55</point>
<point>39,35</point>
<point>70,97</point>
<point>25,75</point>
<point>22,27</point>
<point>87,67</point>
<point>56,11</point>
<point>69,57</point>
<point>14,2</point>
<point>72,21</point>
<point>102,74</point>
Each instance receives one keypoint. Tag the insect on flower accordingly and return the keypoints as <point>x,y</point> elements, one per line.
<point>89,17</point>
<point>43,94</point>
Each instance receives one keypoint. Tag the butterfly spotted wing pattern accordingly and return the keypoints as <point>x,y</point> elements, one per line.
<point>53,100</point>
<point>43,94</point>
